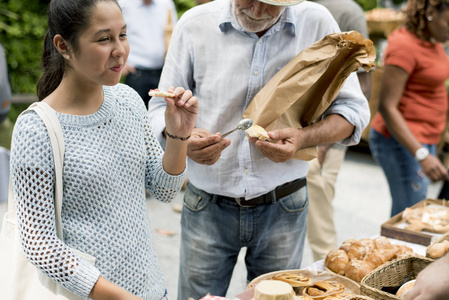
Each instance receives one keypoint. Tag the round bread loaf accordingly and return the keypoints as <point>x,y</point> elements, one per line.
<point>405,288</point>
<point>273,290</point>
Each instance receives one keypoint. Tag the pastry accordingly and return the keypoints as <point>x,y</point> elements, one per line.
<point>257,132</point>
<point>357,251</point>
<point>346,244</point>
<point>357,269</point>
<point>336,261</point>
<point>379,257</point>
<point>295,280</point>
<point>382,242</point>
<point>273,290</point>
<point>322,289</point>
<point>158,93</point>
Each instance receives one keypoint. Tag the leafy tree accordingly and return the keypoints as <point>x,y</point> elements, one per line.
<point>367,4</point>
<point>22,29</point>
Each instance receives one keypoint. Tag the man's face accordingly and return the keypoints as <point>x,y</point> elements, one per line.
<point>256,16</point>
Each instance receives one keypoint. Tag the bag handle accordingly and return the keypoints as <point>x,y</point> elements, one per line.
<point>51,121</point>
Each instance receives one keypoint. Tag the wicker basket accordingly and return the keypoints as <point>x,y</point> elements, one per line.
<point>392,274</point>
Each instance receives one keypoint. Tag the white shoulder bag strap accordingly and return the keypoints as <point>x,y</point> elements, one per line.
<point>48,116</point>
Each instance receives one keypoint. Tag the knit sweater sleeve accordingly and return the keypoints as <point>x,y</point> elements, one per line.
<point>161,185</point>
<point>32,171</point>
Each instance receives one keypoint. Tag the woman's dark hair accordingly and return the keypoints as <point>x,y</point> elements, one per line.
<point>67,18</point>
<point>416,18</point>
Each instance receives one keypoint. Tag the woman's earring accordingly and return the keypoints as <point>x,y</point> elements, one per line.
<point>429,18</point>
<point>67,56</point>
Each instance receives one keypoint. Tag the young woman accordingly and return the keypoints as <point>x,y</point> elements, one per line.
<point>413,103</point>
<point>111,158</point>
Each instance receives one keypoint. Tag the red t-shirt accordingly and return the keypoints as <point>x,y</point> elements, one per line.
<point>424,101</point>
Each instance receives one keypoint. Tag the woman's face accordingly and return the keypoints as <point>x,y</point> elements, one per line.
<point>102,47</point>
<point>439,26</point>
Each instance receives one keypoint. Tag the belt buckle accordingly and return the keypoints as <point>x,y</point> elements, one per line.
<point>240,204</point>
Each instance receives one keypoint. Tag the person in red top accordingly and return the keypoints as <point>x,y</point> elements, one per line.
<point>413,103</point>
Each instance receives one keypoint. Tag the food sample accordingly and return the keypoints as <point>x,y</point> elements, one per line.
<point>158,93</point>
<point>322,289</point>
<point>273,290</point>
<point>428,218</point>
<point>257,132</point>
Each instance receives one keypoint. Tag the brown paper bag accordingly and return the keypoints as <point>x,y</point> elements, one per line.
<point>300,92</point>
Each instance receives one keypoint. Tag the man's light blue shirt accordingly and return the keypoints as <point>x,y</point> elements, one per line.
<point>225,67</point>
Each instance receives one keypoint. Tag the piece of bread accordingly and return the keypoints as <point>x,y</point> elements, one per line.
<point>273,290</point>
<point>158,93</point>
<point>336,261</point>
<point>405,288</point>
<point>357,269</point>
<point>346,244</point>
<point>437,250</point>
<point>257,132</point>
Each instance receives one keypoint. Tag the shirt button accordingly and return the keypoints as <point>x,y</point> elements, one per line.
<point>246,138</point>
<point>199,197</point>
<point>260,41</point>
<point>256,73</point>
<point>246,171</point>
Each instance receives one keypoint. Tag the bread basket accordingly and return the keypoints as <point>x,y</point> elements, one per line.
<point>392,274</point>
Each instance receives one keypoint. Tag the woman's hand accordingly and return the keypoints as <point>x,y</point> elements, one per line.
<point>434,169</point>
<point>181,112</point>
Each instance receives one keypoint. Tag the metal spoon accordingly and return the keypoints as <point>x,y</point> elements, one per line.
<point>243,125</point>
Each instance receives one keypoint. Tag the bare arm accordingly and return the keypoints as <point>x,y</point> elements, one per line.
<point>392,87</point>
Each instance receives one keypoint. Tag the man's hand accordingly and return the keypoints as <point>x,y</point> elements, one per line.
<point>286,142</point>
<point>432,282</point>
<point>204,147</point>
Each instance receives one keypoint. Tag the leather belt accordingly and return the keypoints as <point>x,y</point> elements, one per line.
<point>270,197</point>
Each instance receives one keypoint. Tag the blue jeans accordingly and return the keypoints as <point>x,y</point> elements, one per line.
<point>408,184</point>
<point>214,230</point>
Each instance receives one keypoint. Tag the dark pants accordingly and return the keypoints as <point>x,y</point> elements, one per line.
<point>142,81</point>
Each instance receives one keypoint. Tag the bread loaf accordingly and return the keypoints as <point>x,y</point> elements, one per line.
<point>336,260</point>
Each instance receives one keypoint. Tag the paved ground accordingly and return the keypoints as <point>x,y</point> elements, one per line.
<point>362,204</point>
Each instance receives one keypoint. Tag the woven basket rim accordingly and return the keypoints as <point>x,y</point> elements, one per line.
<point>376,293</point>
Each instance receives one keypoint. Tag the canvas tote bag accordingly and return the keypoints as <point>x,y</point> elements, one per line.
<point>19,279</point>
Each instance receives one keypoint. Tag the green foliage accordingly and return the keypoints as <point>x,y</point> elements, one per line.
<point>367,4</point>
<point>183,5</point>
<point>23,25</point>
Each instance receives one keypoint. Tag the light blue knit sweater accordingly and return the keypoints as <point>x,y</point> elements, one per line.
<point>110,158</point>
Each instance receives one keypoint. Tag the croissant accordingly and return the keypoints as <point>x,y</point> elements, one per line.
<point>382,242</point>
<point>346,244</point>
<point>357,251</point>
<point>379,257</point>
<point>402,251</point>
<point>336,260</point>
<point>357,269</point>
<point>369,245</point>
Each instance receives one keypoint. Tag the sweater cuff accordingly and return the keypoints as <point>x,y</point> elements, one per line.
<point>83,280</point>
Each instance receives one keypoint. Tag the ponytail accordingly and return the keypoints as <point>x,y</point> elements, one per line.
<point>53,66</point>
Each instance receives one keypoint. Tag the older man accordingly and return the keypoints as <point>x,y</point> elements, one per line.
<point>242,193</point>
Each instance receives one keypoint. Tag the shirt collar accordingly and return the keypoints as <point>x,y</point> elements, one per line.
<point>228,21</point>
